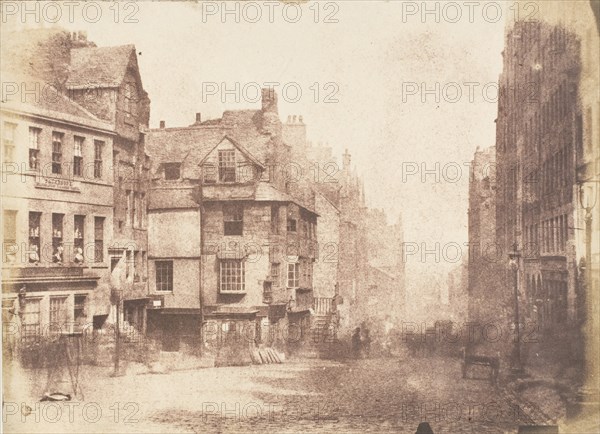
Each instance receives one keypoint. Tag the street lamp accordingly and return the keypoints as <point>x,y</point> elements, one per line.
<point>513,261</point>
<point>587,201</point>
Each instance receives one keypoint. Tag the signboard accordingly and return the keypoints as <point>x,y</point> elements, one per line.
<point>64,184</point>
<point>156,302</point>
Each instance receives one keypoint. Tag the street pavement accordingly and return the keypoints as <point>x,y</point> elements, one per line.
<point>311,396</point>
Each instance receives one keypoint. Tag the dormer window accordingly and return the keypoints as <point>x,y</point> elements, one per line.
<point>227,166</point>
<point>172,171</point>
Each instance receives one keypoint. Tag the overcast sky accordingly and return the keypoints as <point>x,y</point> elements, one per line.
<point>371,54</point>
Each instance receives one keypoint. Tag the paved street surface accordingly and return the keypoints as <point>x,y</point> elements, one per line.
<point>374,395</point>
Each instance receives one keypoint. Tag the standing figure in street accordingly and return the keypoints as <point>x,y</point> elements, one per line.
<point>366,342</point>
<point>356,343</point>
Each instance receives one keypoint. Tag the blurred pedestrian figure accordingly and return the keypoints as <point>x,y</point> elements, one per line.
<point>366,342</point>
<point>424,428</point>
<point>356,343</point>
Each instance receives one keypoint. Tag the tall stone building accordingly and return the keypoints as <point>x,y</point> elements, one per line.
<point>484,255</point>
<point>94,112</point>
<point>57,199</point>
<point>547,170</point>
<point>250,235</point>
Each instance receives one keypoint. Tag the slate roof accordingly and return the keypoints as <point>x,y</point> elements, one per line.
<point>52,103</point>
<point>99,66</point>
<point>191,145</point>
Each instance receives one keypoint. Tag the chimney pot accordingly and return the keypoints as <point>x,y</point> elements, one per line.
<point>162,124</point>
<point>294,121</point>
<point>300,119</point>
<point>289,119</point>
<point>198,118</point>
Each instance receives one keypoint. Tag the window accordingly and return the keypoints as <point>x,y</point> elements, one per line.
<point>144,266</point>
<point>275,219</point>
<point>291,225</point>
<point>307,271</point>
<point>34,237</point>
<point>57,139</point>
<point>209,172</point>
<point>115,257</point>
<point>78,228</point>
<point>134,216</point>
<point>127,208</point>
<point>58,313</point>
<point>32,317</point>
<point>8,141</point>
<point>77,155</point>
<point>275,273</point>
<point>127,98</point>
<point>232,276</point>
<point>233,220</point>
<point>34,148</point>
<point>227,166</point>
<point>57,237</point>
<point>172,171</point>
<point>137,266</point>
<point>143,217</point>
<point>293,275</point>
<point>98,145</point>
<point>99,239</point>
<point>9,236</point>
<point>79,314</point>
<point>164,275</point>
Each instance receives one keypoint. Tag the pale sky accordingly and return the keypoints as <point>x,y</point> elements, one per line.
<point>371,54</point>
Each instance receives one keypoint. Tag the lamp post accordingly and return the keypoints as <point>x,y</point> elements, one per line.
<point>513,258</point>
<point>590,393</point>
<point>588,205</point>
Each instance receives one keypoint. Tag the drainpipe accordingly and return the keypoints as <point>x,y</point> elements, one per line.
<point>201,267</point>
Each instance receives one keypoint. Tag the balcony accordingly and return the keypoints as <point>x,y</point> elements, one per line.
<point>324,305</point>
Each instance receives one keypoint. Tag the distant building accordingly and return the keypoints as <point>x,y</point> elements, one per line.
<point>484,272</point>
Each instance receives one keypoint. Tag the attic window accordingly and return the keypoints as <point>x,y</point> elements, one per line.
<point>172,171</point>
<point>227,166</point>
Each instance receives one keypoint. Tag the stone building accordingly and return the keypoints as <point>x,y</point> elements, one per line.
<point>546,156</point>
<point>79,89</point>
<point>57,199</point>
<point>484,256</point>
<point>249,233</point>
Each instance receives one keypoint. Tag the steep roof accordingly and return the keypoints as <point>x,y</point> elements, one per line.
<point>99,66</point>
<point>52,103</point>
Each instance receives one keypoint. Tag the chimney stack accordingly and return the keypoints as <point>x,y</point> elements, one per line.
<point>198,118</point>
<point>162,124</point>
<point>346,161</point>
<point>269,100</point>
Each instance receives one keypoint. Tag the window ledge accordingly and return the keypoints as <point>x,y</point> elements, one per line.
<point>232,292</point>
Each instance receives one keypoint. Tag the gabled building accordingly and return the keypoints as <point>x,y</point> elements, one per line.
<point>230,246</point>
<point>107,81</point>
<point>62,74</point>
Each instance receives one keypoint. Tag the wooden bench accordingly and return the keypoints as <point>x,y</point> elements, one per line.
<point>492,362</point>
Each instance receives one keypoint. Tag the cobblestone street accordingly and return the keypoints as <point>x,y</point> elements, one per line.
<point>370,395</point>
